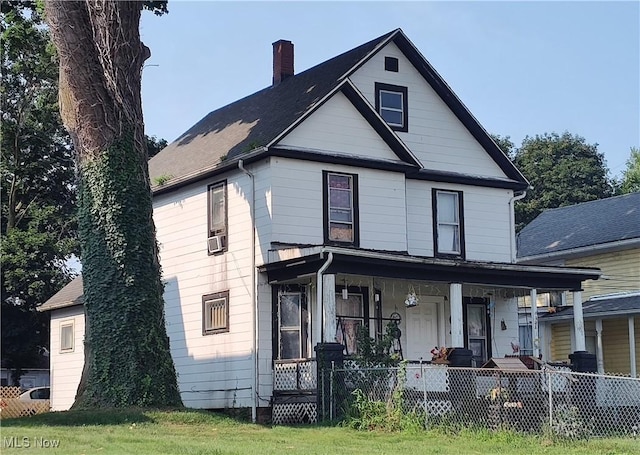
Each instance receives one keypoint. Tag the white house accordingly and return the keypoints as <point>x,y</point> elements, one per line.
<point>355,193</point>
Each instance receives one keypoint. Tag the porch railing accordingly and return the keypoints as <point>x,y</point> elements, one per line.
<point>295,375</point>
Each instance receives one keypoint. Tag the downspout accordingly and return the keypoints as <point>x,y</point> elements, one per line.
<point>319,313</point>
<point>254,310</point>
<point>512,224</point>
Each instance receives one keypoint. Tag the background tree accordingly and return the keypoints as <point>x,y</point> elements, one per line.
<point>127,357</point>
<point>563,170</point>
<point>154,145</point>
<point>37,186</point>
<point>505,144</point>
<point>631,176</point>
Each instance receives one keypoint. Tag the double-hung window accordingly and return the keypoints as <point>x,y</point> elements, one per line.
<point>66,337</point>
<point>293,336</point>
<point>215,313</point>
<point>217,217</point>
<point>448,223</point>
<point>392,105</point>
<point>340,208</point>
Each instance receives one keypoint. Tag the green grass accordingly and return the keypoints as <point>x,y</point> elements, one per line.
<point>136,431</point>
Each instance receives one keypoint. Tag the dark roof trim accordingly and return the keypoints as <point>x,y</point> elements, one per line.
<point>378,124</point>
<point>385,40</point>
<point>309,155</point>
<point>335,158</point>
<point>431,269</point>
<point>464,179</point>
<point>456,106</point>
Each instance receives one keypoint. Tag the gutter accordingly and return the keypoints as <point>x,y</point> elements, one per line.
<point>512,224</point>
<point>254,301</point>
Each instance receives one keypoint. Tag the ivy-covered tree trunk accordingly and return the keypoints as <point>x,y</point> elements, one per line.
<point>127,356</point>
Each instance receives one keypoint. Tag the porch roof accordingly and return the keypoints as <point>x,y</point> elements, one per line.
<point>607,306</point>
<point>291,263</point>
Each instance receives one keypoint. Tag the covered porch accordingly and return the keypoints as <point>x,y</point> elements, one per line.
<point>326,298</point>
<point>330,294</point>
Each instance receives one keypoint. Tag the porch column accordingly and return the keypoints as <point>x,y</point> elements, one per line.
<point>578,321</point>
<point>599,354</point>
<point>329,304</point>
<point>457,329</point>
<point>632,347</point>
<point>535,336</point>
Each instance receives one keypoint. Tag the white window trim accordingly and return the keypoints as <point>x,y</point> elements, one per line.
<point>392,109</point>
<point>63,325</point>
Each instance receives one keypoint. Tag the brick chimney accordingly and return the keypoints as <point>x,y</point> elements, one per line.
<point>282,61</point>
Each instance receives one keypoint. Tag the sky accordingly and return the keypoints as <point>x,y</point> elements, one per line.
<point>521,68</point>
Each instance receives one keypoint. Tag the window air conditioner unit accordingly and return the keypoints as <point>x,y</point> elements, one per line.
<point>214,244</point>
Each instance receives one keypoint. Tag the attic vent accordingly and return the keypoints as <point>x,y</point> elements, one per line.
<point>214,244</point>
<point>391,64</point>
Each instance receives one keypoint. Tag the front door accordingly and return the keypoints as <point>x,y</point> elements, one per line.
<point>422,329</point>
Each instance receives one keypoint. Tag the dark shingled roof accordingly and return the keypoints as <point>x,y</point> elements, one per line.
<point>256,120</point>
<point>614,305</point>
<point>216,142</point>
<point>582,225</point>
<point>70,295</point>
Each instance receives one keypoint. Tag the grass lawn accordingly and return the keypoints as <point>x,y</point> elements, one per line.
<point>197,432</point>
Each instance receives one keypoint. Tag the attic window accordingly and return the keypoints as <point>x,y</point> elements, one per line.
<point>391,64</point>
<point>392,105</point>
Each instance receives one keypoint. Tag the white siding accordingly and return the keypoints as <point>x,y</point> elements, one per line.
<point>436,136</point>
<point>66,367</point>
<point>487,226</point>
<point>337,126</point>
<point>214,371</point>
<point>297,204</point>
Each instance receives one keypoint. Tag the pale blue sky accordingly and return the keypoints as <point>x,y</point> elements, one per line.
<point>522,68</point>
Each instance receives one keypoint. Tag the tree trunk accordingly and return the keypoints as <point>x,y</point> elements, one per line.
<point>127,356</point>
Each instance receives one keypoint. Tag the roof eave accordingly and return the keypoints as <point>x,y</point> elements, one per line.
<point>580,251</point>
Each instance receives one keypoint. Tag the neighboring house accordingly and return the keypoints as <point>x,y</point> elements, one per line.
<point>356,193</point>
<point>36,375</point>
<point>604,234</point>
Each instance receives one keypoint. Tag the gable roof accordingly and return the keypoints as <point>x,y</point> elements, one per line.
<point>256,122</point>
<point>614,305</point>
<point>587,225</point>
<point>70,295</point>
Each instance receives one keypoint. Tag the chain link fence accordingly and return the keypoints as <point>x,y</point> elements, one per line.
<point>560,401</point>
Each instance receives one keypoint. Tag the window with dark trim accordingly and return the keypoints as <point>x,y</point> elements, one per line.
<point>352,314</point>
<point>392,105</point>
<point>448,223</point>
<point>477,329</point>
<point>292,323</point>
<point>66,337</point>
<point>215,313</point>
<point>391,64</point>
<point>340,208</point>
<point>217,216</point>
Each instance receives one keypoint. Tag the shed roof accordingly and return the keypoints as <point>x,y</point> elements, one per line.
<point>70,295</point>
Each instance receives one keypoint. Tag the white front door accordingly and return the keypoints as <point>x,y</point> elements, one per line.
<point>422,329</point>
